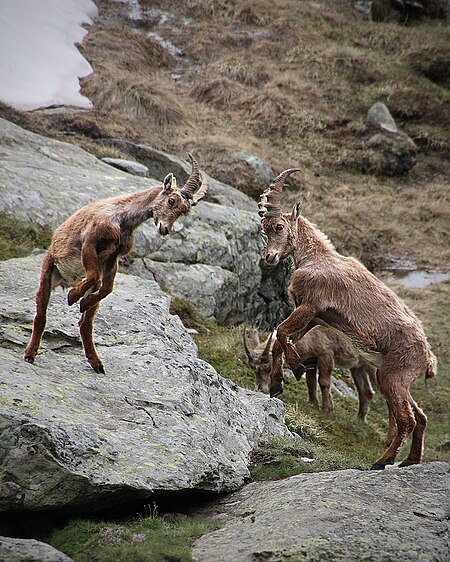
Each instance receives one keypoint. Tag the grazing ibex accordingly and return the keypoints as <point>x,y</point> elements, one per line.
<point>340,293</point>
<point>319,350</point>
<point>85,249</point>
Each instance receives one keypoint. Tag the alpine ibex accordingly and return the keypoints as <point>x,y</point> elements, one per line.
<point>85,249</point>
<point>340,293</point>
<point>319,351</point>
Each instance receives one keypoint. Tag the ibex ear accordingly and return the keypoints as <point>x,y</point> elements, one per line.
<point>297,210</point>
<point>170,183</point>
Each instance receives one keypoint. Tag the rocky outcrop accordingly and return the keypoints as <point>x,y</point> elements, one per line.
<point>398,514</point>
<point>160,164</point>
<point>389,151</point>
<point>160,420</point>
<point>217,248</point>
<point>128,166</point>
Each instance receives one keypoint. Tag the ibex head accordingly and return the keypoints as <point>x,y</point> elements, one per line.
<point>259,359</point>
<point>277,226</point>
<point>172,202</point>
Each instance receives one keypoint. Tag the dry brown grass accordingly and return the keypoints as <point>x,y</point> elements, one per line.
<point>290,82</point>
<point>138,99</point>
<point>123,49</point>
<point>221,93</point>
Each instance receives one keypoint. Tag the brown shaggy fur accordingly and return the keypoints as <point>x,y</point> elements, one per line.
<point>85,249</point>
<point>339,292</point>
<point>320,350</point>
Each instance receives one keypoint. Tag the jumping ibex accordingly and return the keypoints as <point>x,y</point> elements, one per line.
<point>85,249</point>
<point>340,293</point>
<point>319,350</point>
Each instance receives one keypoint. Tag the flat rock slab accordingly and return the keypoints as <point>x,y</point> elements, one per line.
<point>160,420</point>
<point>395,515</point>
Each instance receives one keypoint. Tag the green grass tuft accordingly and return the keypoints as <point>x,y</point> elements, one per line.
<point>147,539</point>
<point>18,237</point>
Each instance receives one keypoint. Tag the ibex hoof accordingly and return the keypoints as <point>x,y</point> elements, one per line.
<point>407,462</point>
<point>276,390</point>
<point>378,466</point>
<point>99,369</point>
<point>72,297</point>
<point>299,372</point>
<point>29,358</point>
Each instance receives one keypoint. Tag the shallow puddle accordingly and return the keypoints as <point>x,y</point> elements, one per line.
<point>417,279</point>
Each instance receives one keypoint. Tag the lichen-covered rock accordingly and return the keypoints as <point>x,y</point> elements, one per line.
<point>160,420</point>
<point>399,514</point>
<point>29,550</point>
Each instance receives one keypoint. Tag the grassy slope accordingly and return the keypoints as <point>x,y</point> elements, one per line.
<point>291,82</point>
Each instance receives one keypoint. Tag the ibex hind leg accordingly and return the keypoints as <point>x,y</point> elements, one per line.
<point>416,451</point>
<point>398,398</point>
<point>50,278</point>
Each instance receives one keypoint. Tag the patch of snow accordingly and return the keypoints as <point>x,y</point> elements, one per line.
<point>39,63</point>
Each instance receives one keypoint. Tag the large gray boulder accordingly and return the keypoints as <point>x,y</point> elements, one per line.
<point>44,180</point>
<point>29,550</point>
<point>160,420</point>
<point>388,150</point>
<point>399,514</point>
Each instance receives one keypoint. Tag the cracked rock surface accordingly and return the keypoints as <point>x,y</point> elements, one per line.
<point>346,515</point>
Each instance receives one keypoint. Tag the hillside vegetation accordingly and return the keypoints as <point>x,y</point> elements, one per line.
<point>290,81</point>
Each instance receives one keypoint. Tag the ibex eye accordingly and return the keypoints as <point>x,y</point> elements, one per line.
<point>279,227</point>
<point>171,201</point>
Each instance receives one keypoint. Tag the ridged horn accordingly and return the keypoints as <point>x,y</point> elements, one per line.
<point>193,182</point>
<point>266,353</point>
<point>270,199</point>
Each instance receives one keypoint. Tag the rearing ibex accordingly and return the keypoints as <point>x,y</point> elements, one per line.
<point>319,351</point>
<point>339,292</point>
<point>85,249</point>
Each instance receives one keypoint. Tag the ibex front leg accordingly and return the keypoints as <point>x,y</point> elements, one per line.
<point>106,287</point>
<point>288,332</point>
<point>90,261</point>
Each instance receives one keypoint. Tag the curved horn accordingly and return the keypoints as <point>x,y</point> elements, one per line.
<point>193,181</point>
<point>270,200</point>
<point>266,353</point>
<point>249,353</point>
<point>201,192</point>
